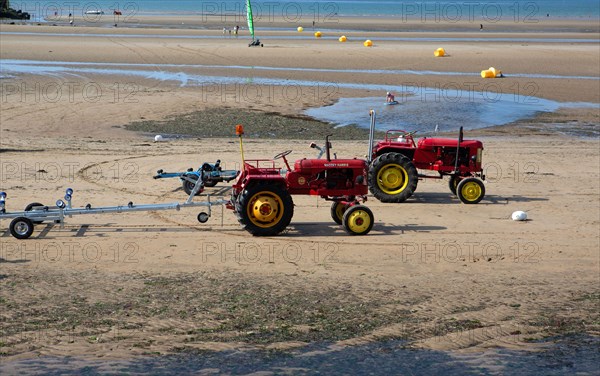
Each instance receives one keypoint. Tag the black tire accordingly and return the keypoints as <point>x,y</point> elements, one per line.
<point>188,186</point>
<point>358,220</point>
<point>402,177</point>
<point>21,228</point>
<point>30,207</point>
<point>453,183</point>
<point>337,212</point>
<point>278,204</point>
<point>470,191</point>
<point>209,183</point>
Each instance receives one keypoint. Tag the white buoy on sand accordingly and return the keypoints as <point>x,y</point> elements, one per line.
<point>158,138</point>
<point>519,216</point>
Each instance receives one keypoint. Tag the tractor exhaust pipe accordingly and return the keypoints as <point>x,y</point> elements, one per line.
<point>460,140</point>
<point>371,136</point>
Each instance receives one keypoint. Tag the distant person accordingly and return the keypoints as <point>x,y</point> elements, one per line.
<point>236,29</point>
<point>480,27</point>
<point>224,30</point>
<point>390,97</point>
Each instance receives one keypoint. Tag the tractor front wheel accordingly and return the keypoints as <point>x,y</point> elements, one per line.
<point>470,190</point>
<point>453,183</point>
<point>337,212</point>
<point>392,177</point>
<point>265,209</point>
<point>358,220</point>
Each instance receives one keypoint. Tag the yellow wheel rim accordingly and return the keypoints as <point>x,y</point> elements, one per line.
<point>471,191</point>
<point>339,210</point>
<point>358,221</point>
<point>265,209</point>
<point>392,179</point>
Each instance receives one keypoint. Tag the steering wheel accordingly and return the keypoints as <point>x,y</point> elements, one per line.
<point>282,154</point>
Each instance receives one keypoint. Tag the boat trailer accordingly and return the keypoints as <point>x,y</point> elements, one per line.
<point>23,223</point>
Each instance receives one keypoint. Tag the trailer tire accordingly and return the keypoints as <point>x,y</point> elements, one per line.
<point>30,207</point>
<point>265,209</point>
<point>21,228</point>
<point>392,177</point>
<point>358,220</point>
<point>470,191</point>
<point>188,187</point>
<point>210,183</point>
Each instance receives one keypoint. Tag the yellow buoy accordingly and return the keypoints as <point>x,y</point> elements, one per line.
<point>440,52</point>
<point>491,73</point>
<point>368,43</point>
<point>343,38</point>
<point>487,74</point>
<point>300,29</point>
<point>318,34</point>
<point>496,72</point>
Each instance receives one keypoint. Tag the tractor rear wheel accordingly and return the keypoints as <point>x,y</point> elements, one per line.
<point>337,212</point>
<point>470,190</point>
<point>358,220</point>
<point>265,209</point>
<point>392,177</point>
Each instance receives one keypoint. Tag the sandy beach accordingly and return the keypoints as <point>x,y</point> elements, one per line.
<point>434,272</point>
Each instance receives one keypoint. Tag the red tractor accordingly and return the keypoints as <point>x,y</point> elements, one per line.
<point>262,193</point>
<point>393,174</point>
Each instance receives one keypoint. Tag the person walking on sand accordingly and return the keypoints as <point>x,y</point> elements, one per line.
<point>390,97</point>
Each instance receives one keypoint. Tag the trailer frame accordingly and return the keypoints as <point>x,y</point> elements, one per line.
<point>23,222</point>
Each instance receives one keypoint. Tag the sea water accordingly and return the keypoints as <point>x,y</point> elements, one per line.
<point>419,108</point>
<point>322,11</point>
<point>567,355</point>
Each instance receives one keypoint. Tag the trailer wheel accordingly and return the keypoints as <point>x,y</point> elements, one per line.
<point>21,228</point>
<point>209,183</point>
<point>453,183</point>
<point>470,190</point>
<point>358,220</point>
<point>30,207</point>
<point>392,177</point>
<point>337,212</point>
<point>202,217</point>
<point>265,209</point>
<point>188,187</point>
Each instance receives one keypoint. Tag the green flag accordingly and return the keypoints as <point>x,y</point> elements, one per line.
<point>250,20</point>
